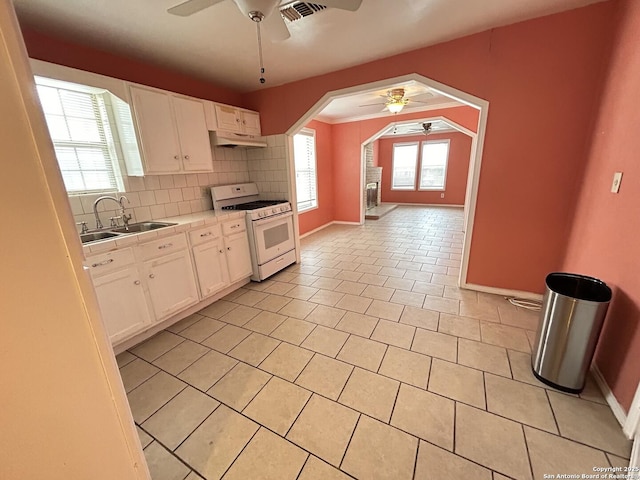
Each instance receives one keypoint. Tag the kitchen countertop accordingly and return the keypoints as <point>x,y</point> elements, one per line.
<point>183,223</point>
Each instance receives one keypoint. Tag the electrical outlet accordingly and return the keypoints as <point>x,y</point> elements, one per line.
<point>442,195</point>
<point>615,185</point>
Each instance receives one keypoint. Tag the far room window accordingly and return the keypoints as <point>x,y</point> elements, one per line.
<point>304,152</point>
<point>79,128</point>
<point>405,160</point>
<point>433,169</point>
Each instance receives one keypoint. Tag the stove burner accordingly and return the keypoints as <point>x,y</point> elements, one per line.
<point>254,205</point>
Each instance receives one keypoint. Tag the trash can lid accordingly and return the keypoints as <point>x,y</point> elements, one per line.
<point>579,286</point>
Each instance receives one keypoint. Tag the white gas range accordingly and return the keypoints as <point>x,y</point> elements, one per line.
<point>269,226</point>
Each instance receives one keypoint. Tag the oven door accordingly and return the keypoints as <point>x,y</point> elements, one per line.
<point>273,236</point>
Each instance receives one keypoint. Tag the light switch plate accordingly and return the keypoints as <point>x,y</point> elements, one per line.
<point>615,185</point>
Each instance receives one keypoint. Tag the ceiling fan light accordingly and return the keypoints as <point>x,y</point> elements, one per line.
<point>395,107</point>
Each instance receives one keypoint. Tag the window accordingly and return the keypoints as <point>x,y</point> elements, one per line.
<point>79,129</point>
<point>433,169</point>
<point>405,160</point>
<point>304,153</point>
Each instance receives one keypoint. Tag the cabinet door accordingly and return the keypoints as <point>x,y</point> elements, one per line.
<point>171,283</point>
<point>156,128</point>
<point>211,267</point>
<point>228,118</point>
<point>122,303</point>
<point>238,256</point>
<point>251,123</point>
<point>194,137</point>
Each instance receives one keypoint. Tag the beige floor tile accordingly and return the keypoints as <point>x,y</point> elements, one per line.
<point>519,317</point>
<point>226,338</point>
<point>618,462</point>
<point>489,358</point>
<point>435,344</point>
<point>230,297</point>
<point>326,297</point>
<point>386,310</point>
<point>362,353</point>
<point>175,421</point>
<point>180,357</point>
<point>316,469</point>
<point>254,349</point>
<point>371,394</point>
<point>520,402</point>
<point>420,317</point>
<point>400,283</point>
<point>521,368</point>
<point>427,288</point>
<point>436,463</point>
<point>457,382</point>
<point>505,336</point>
<point>327,316</point>
<point>325,340</point>
<point>239,316</point>
<point>273,303</point>
<point>413,299</point>
<point>325,376</point>
<point>371,269</point>
<point>351,276</point>
<point>324,428</point>
<point>202,329</point>
<point>394,333</point>
<point>350,287</point>
<point>136,372</point>
<point>492,441</point>
<point>378,293</point>
<point>218,309</point>
<point>326,283</point>
<point>497,476</point>
<point>533,338</point>
<point>446,280</point>
<point>298,309</point>
<point>156,346</point>
<point>239,386</point>
<point>145,438</point>
<point>207,370</point>
<point>162,465</point>
<point>373,279</point>
<point>478,310</point>
<point>443,305</point>
<point>354,303</point>
<point>125,358</point>
<point>327,272</point>
<point>459,326</point>
<point>265,322</point>
<point>277,288</point>
<point>293,330</point>
<point>601,431</point>
<point>185,322</point>
<point>392,272</point>
<point>357,323</point>
<point>287,361</point>
<point>146,399</point>
<point>460,294</point>
<point>215,444</point>
<point>380,452</point>
<point>551,454</point>
<point>302,292</point>
<point>408,367</point>
<point>592,391</point>
<point>251,297</point>
<point>268,457</point>
<point>277,405</point>
<point>425,415</point>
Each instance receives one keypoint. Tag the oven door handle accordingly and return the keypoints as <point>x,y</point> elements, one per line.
<point>275,218</point>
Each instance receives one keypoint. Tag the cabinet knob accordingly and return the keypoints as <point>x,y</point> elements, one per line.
<point>176,157</point>
<point>186,157</point>
<point>221,251</point>
<point>244,122</point>
<point>237,120</point>
<point>151,275</point>
<point>137,282</point>
<point>228,248</point>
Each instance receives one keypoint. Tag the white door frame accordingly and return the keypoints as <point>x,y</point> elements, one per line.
<point>631,429</point>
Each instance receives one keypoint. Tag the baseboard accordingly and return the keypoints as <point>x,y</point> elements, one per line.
<point>502,291</point>
<point>340,222</point>
<point>321,227</point>
<point>448,205</point>
<point>616,408</point>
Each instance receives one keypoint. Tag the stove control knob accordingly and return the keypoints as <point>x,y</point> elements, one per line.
<point>261,214</point>
<point>282,209</point>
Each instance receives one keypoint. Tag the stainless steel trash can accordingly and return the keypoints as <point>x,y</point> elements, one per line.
<point>573,310</point>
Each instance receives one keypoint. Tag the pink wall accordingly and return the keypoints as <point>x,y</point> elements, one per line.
<point>541,78</point>
<point>606,227</point>
<point>324,163</point>
<point>457,171</point>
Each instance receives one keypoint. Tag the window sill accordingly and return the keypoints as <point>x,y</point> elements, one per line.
<point>309,209</point>
<point>432,189</point>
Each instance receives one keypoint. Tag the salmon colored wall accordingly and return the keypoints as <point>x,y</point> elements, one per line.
<point>541,78</point>
<point>49,48</point>
<point>457,171</point>
<point>322,215</point>
<point>604,237</point>
<point>376,153</point>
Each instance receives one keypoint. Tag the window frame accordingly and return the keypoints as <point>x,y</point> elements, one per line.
<point>315,203</point>
<point>446,141</point>
<point>393,169</point>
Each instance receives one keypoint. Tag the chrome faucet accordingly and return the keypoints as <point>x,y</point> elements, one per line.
<point>120,202</point>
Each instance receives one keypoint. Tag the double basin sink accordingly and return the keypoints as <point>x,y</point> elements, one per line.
<point>119,231</point>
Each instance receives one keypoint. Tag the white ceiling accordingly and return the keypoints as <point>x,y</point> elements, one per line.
<point>219,43</point>
<point>415,128</point>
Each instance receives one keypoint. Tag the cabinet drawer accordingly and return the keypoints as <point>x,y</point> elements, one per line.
<point>110,261</point>
<point>163,246</point>
<point>235,226</point>
<point>202,235</point>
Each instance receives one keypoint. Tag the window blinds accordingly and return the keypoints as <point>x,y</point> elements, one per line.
<point>305,160</point>
<point>433,171</point>
<point>405,160</point>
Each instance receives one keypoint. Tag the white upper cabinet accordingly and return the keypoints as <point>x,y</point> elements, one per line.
<point>172,131</point>
<point>232,119</point>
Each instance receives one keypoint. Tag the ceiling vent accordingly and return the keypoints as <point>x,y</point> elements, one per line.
<point>299,10</point>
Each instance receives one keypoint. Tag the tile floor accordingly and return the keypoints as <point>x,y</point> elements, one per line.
<point>364,361</point>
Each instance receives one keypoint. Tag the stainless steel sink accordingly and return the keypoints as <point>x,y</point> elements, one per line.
<point>141,227</point>
<point>92,237</point>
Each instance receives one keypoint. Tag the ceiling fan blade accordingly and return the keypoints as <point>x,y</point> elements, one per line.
<point>190,7</point>
<point>276,27</point>
<point>371,104</point>
<point>351,5</point>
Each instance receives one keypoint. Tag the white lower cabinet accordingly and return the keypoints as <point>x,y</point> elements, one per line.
<point>211,266</point>
<point>236,245</point>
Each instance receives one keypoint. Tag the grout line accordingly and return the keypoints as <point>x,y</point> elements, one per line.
<point>526,446</point>
<point>350,439</point>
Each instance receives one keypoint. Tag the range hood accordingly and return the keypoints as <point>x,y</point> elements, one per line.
<point>221,138</point>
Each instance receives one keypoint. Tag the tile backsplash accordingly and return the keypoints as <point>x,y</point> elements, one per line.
<point>159,196</point>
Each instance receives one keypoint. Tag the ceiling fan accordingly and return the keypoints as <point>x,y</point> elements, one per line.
<point>424,128</point>
<point>396,100</point>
